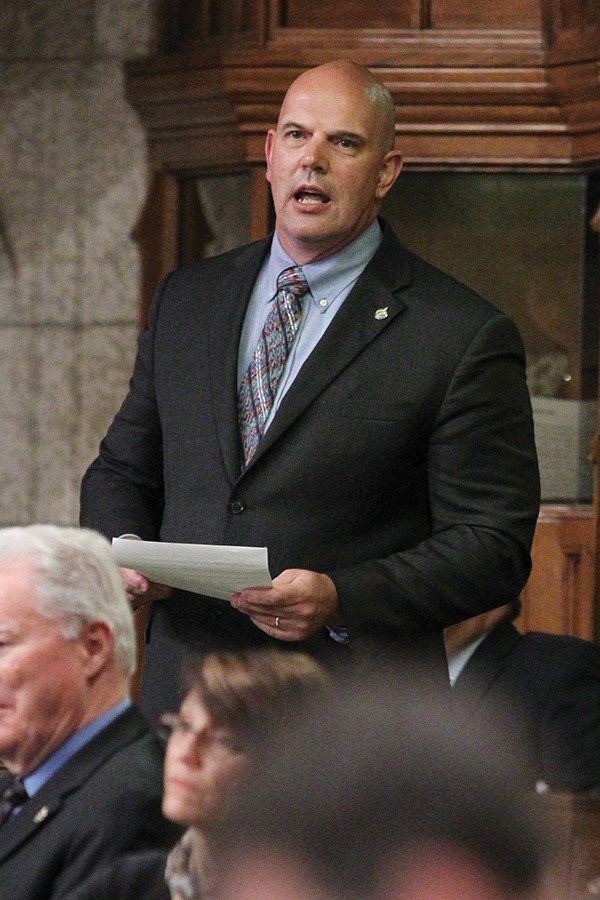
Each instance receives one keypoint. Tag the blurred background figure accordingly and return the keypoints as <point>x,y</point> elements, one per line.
<point>231,700</point>
<point>386,795</point>
<point>83,768</point>
<point>549,684</point>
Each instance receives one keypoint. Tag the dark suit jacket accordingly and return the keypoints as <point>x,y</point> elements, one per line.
<point>103,802</point>
<point>401,460</point>
<point>550,686</point>
<point>133,876</point>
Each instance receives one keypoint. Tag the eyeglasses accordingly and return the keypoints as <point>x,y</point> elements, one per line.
<point>205,738</point>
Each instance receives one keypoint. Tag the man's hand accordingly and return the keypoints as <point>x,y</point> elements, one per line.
<point>299,603</point>
<point>140,590</point>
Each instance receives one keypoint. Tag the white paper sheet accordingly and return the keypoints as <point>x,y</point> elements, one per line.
<point>209,569</point>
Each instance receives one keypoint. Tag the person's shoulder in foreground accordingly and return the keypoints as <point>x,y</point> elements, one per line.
<point>388,793</point>
<point>87,758</point>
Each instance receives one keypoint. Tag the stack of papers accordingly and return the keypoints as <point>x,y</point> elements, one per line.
<point>209,569</point>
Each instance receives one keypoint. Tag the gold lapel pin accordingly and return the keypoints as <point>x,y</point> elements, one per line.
<point>381,313</point>
<point>41,814</point>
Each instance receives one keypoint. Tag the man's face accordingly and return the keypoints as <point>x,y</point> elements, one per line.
<point>43,686</point>
<point>327,163</point>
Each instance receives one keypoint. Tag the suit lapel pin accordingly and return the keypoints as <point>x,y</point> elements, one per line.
<point>41,814</point>
<point>381,313</point>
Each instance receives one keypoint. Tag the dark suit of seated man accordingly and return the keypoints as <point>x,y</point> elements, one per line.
<point>548,683</point>
<point>90,764</point>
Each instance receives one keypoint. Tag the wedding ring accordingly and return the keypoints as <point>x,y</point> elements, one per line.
<point>276,621</point>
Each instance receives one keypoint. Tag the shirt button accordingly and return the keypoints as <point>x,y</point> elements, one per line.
<point>323,302</point>
<point>236,507</point>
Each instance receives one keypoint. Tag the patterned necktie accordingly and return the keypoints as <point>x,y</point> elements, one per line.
<point>259,386</point>
<point>13,796</point>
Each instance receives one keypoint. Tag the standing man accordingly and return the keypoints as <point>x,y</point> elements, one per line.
<point>365,417</point>
<point>83,779</point>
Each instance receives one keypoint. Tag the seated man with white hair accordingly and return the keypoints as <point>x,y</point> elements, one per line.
<point>84,769</point>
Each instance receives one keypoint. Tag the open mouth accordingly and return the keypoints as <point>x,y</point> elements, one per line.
<point>311,197</point>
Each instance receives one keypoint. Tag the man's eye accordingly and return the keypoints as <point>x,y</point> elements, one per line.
<point>347,143</point>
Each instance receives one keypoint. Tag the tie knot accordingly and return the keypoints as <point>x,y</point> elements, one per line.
<point>12,797</point>
<point>15,792</point>
<point>292,280</point>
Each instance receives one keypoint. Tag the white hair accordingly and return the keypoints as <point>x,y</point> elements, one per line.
<point>76,581</point>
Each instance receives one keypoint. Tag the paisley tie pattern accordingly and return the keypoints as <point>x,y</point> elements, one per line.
<point>259,386</point>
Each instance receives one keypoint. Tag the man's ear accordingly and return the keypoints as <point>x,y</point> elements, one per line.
<point>97,643</point>
<point>269,151</point>
<point>390,169</point>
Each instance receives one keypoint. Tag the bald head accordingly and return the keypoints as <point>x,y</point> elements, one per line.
<point>344,75</point>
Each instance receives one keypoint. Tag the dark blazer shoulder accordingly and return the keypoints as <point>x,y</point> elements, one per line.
<point>428,290</point>
<point>128,877</point>
<point>548,686</point>
<point>247,257</point>
<point>204,287</point>
<point>533,666</point>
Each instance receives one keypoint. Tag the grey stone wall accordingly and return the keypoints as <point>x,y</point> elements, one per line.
<point>72,183</point>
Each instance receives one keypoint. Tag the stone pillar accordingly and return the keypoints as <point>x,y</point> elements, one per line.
<point>72,182</point>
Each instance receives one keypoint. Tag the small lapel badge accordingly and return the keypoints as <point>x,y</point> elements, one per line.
<point>381,313</point>
<point>41,814</point>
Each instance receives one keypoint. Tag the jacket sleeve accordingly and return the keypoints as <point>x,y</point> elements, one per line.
<point>122,490</point>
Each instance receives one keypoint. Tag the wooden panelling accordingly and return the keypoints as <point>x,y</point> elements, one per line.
<point>157,236</point>
<point>560,594</point>
<point>511,14</point>
<point>350,14</point>
<point>579,13</point>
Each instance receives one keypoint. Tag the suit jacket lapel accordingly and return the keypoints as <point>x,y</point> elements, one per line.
<point>487,663</point>
<point>226,330</point>
<point>371,306</point>
<point>42,807</point>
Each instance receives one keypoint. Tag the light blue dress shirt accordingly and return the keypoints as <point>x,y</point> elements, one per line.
<point>330,280</point>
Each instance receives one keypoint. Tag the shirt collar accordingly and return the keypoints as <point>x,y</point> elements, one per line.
<point>330,275</point>
<point>36,779</point>
<point>458,660</point>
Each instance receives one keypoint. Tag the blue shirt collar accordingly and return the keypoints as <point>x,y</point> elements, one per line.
<point>330,275</point>
<point>36,779</point>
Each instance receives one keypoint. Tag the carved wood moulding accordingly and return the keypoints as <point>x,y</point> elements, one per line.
<point>477,85</point>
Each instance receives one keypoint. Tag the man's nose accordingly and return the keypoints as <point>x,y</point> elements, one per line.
<point>315,157</point>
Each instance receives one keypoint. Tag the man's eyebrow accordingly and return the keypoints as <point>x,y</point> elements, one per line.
<point>293,125</point>
<point>348,135</point>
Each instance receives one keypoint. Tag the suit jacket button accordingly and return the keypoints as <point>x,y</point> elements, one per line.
<point>236,507</point>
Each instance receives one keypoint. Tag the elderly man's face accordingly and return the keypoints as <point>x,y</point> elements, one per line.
<point>43,685</point>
